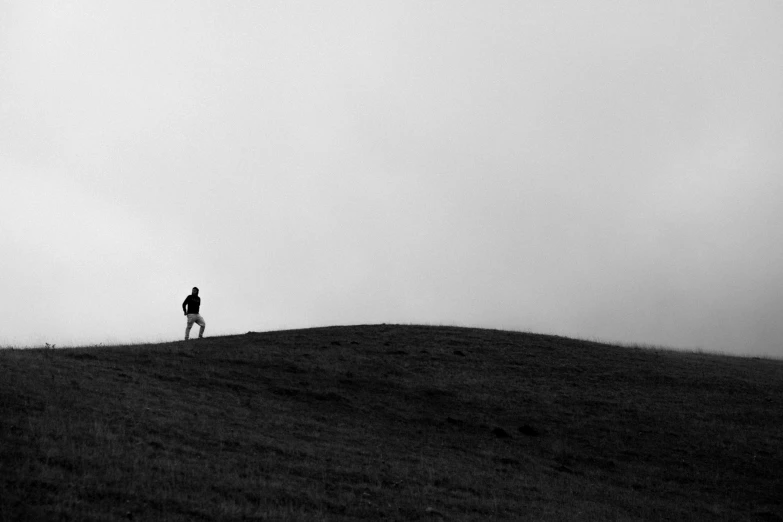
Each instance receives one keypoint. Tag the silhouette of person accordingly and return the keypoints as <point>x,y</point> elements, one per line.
<point>191,306</point>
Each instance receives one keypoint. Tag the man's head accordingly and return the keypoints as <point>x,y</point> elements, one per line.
<point>195,291</point>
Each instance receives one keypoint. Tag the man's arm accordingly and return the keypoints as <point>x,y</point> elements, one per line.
<point>184,304</point>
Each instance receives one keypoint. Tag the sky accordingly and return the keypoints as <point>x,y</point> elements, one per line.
<point>603,170</point>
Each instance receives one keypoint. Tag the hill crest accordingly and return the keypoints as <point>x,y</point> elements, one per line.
<point>401,422</point>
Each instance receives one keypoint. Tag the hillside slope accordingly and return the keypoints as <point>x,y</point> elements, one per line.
<point>388,422</point>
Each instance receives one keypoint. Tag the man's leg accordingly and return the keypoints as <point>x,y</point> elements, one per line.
<point>200,321</point>
<point>191,318</point>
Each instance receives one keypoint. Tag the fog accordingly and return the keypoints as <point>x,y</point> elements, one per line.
<point>598,170</point>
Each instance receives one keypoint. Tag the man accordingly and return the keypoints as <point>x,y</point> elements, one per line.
<point>190,307</point>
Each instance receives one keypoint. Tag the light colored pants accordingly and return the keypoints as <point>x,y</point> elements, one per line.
<point>195,318</point>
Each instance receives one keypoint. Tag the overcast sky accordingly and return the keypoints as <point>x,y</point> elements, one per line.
<point>605,170</point>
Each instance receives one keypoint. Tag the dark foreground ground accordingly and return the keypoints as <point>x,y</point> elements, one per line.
<point>389,423</point>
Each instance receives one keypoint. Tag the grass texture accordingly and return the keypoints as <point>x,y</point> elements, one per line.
<point>388,422</point>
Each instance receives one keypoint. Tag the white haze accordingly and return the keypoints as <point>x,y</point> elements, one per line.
<point>607,170</point>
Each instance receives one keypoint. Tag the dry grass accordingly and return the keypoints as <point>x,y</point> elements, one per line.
<point>388,423</point>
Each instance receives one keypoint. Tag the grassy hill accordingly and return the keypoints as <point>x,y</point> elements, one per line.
<point>389,422</point>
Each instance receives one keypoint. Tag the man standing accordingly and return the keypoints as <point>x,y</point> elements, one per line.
<point>190,307</point>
